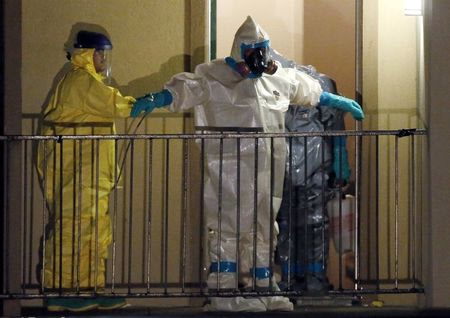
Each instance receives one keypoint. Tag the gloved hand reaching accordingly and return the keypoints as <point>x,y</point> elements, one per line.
<point>343,103</point>
<point>341,166</point>
<point>149,102</point>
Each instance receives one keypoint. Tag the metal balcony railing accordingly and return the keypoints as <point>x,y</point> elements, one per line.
<point>155,199</point>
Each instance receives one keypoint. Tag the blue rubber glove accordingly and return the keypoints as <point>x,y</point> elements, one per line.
<point>343,103</point>
<point>341,166</point>
<point>149,102</point>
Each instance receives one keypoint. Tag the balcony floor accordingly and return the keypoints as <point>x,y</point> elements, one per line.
<point>304,312</point>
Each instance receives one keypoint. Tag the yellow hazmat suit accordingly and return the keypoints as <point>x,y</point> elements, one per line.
<point>78,175</point>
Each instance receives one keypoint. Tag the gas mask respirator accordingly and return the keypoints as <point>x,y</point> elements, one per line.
<point>257,61</point>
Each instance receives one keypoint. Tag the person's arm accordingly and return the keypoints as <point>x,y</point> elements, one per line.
<point>182,92</point>
<point>308,92</point>
<point>147,103</point>
<point>343,103</point>
<point>102,100</point>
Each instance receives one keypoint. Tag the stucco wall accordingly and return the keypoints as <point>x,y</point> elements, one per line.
<point>329,42</point>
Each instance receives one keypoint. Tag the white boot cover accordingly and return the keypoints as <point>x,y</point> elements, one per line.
<point>236,304</point>
<point>277,303</point>
<point>274,303</point>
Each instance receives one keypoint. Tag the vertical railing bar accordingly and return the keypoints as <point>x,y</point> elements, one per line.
<point>130,215</point>
<point>149,221</point>
<point>324,205</point>
<point>396,238</point>
<point>414,211</point>
<point>74,209</point>
<point>420,215</point>
<point>33,225</point>
<point>30,221</point>
<point>96,222</point>
<point>44,209</point>
<point>272,220</point>
<point>24,218</point>
<point>54,213</point>
<point>340,193</point>
<point>202,214</point>
<point>358,147</point>
<point>6,215</point>
<point>377,209</point>
<point>255,216</point>
<point>61,180</point>
<point>80,199</point>
<point>238,210</point>
<point>390,208</point>
<point>123,215</point>
<point>3,146</point>
<point>114,216</point>
<point>305,206</point>
<point>290,256</point>
<point>184,214</point>
<point>166,217</point>
<point>143,222</point>
<point>219,218</point>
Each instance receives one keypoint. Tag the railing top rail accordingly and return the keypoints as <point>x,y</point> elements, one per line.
<point>214,135</point>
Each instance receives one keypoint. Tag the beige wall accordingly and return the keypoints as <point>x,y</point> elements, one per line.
<point>330,41</point>
<point>397,66</point>
<point>329,45</point>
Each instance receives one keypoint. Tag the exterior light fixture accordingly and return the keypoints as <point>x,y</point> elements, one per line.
<point>414,7</point>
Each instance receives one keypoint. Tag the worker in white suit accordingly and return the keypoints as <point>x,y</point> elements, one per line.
<point>245,92</point>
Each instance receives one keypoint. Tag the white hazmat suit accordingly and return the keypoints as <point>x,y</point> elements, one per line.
<point>224,100</point>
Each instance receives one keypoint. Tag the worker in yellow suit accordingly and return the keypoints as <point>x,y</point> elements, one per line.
<point>77,176</point>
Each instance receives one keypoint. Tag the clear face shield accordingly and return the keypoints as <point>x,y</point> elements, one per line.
<point>102,63</point>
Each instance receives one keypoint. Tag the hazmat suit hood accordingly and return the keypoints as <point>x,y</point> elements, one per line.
<point>84,59</point>
<point>248,33</point>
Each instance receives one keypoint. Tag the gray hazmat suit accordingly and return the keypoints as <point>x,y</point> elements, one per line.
<point>303,242</point>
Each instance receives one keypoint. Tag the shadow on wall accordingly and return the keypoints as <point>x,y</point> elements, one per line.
<point>155,82</point>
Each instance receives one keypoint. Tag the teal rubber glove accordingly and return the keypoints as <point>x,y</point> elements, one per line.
<point>341,166</point>
<point>149,102</point>
<point>343,103</point>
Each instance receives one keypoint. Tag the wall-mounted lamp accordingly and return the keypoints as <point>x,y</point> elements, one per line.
<point>413,7</point>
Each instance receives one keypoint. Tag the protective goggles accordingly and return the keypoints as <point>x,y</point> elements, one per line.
<point>245,47</point>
